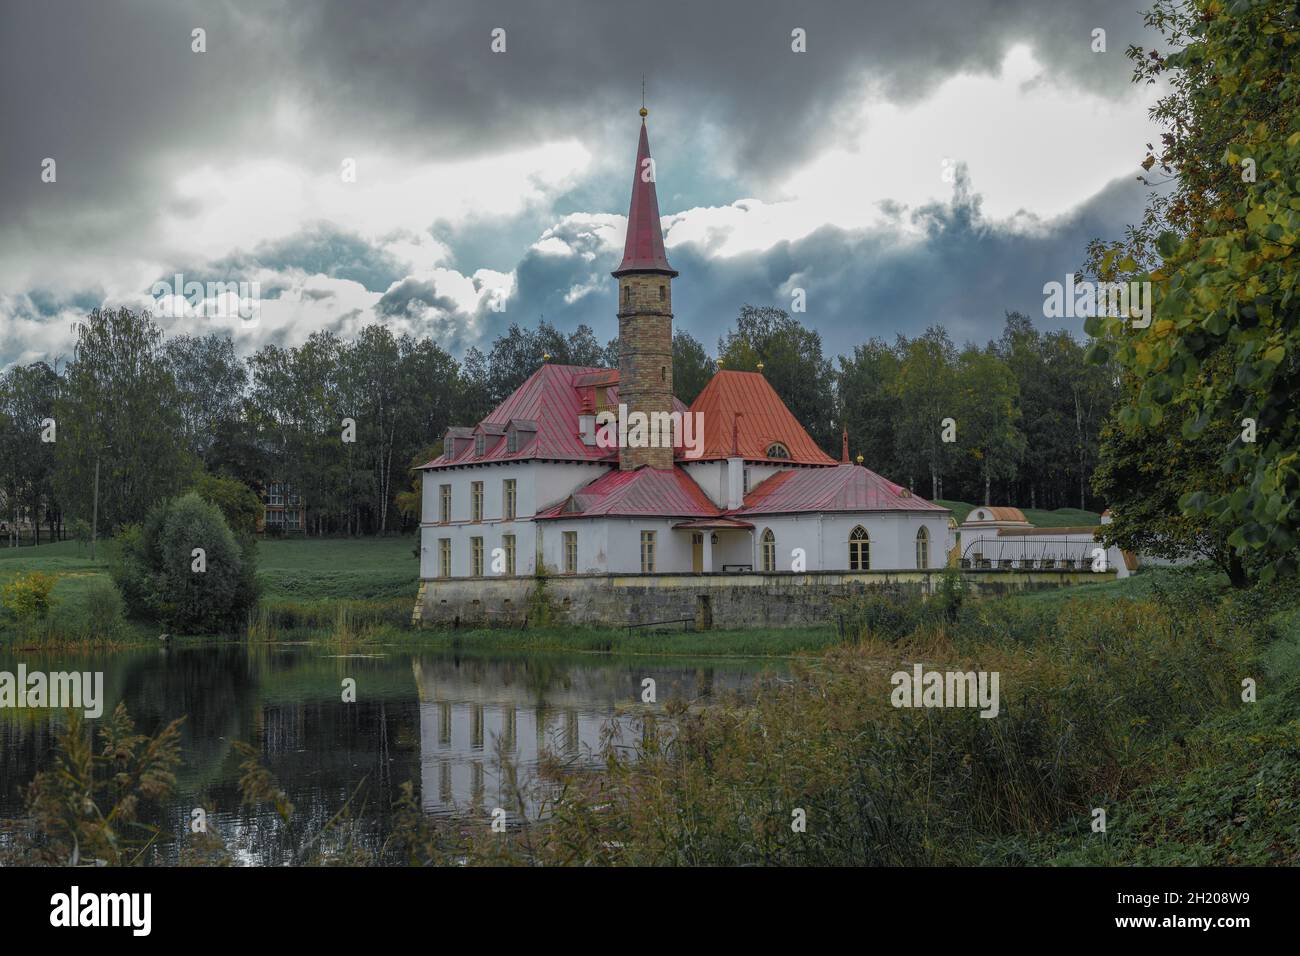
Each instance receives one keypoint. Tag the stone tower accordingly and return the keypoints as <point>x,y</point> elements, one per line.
<point>645,312</point>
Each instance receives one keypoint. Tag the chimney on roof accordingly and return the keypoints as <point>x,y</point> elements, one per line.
<point>844,454</point>
<point>645,314</point>
<point>735,468</point>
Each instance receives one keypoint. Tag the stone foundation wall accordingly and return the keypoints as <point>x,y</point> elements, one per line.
<point>709,600</point>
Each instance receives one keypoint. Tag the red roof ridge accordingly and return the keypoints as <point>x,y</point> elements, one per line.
<point>844,488</point>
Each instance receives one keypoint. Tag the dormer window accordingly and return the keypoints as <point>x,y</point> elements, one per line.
<point>777,450</point>
<point>480,441</point>
<point>512,441</point>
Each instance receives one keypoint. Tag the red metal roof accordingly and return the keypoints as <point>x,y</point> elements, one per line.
<point>643,250</point>
<point>764,420</point>
<point>551,401</point>
<point>842,488</point>
<point>644,493</point>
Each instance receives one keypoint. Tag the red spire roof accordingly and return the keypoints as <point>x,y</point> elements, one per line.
<point>763,421</point>
<point>644,249</point>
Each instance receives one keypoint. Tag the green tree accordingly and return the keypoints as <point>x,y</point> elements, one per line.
<point>210,383</point>
<point>1142,473</point>
<point>867,384</point>
<point>692,367</point>
<point>988,416</point>
<point>793,364</point>
<point>118,407</point>
<point>927,394</point>
<point>1224,346</point>
<point>27,462</point>
<point>239,504</point>
<point>160,577</point>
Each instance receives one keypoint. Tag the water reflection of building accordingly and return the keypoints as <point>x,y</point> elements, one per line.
<point>473,712</point>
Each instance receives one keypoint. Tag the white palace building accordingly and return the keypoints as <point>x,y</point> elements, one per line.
<point>543,486</point>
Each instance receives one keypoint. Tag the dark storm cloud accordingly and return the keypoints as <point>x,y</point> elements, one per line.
<point>964,274</point>
<point>113,92</point>
<point>414,297</point>
<point>321,249</point>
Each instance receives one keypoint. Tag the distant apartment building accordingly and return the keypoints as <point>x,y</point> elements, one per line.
<point>283,510</point>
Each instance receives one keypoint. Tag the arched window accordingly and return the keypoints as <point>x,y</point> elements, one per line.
<point>859,549</point>
<point>769,550</point>
<point>777,450</point>
<point>922,548</point>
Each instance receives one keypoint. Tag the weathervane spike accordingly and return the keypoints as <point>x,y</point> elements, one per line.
<point>644,111</point>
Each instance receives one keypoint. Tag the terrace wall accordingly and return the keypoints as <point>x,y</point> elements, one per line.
<point>782,599</point>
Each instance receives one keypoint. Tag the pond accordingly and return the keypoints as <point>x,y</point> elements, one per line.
<point>437,719</point>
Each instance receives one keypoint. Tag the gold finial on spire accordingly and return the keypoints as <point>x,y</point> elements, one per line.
<point>546,356</point>
<point>644,112</point>
<point>861,459</point>
<point>760,368</point>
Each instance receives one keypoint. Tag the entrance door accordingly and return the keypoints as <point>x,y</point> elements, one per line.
<point>697,552</point>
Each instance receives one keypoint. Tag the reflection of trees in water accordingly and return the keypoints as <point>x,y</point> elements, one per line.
<point>444,731</point>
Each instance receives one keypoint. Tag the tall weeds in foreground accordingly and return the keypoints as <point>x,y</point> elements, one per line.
<point>85,809</point>
<point>1092,698</point>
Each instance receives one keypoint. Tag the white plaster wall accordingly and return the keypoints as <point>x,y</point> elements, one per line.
<point>825,539</point>
<point>613,545</point>
<point>711,476</point>
<point>537,485</point>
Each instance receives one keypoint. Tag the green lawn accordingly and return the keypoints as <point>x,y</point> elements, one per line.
<point>69,561</point>
<point>1060,518</point>
<point>305,569</point>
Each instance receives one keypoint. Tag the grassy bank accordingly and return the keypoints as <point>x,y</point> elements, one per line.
<point>360,592</point>
<point>1127,699</point>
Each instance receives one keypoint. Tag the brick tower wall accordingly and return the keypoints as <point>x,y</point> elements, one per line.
<point>645,357</point>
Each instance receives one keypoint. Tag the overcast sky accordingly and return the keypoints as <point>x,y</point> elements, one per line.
<point>920,163</point>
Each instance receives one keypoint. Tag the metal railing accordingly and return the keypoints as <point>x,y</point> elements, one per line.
<point>1028,553</point>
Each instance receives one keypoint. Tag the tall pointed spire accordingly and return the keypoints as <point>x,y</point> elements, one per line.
<point>644,249</point>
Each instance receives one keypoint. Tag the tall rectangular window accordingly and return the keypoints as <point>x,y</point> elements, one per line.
<point>508,498</point>
<point>570,552</point>
<point>476,557</point>
<point>444,503</point>
<point>444,557</point>
<point>476,501</point>
<point>647,552</point>
<point>508,543</point>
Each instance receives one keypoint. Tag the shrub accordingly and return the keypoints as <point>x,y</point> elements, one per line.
<point>27,596</point>
<point>156,575</point>
<point>94,614</point>
<point>239,503</point>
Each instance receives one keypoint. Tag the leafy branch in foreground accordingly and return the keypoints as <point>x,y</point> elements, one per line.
<point>85,809</point>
